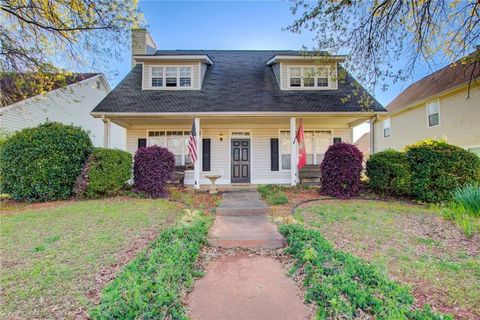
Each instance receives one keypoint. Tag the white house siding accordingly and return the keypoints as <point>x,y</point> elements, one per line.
<point>459,123</point>
<point>70,105</point>
<point>261,131</point>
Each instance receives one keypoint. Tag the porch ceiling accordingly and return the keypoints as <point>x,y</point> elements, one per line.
<point>182,121</point>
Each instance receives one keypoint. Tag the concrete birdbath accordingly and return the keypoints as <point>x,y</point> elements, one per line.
<point>213,178</point>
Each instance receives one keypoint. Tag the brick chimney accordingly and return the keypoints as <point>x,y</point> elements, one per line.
<point>142,43</point>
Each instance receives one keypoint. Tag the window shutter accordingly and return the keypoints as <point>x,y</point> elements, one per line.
<point>337,140</point>
<point>142,143</point>
<point>274,154</point>
<point>205,154</point>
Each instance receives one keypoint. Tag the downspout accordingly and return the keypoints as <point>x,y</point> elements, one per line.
<point>372,133</point>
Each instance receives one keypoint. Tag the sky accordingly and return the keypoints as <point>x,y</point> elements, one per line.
<point>233,25</point>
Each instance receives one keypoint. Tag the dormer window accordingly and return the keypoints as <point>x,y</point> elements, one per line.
<point>308,77</point>
<point>171,77</point>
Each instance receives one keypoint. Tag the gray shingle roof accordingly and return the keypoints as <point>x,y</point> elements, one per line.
<point>238,81</point>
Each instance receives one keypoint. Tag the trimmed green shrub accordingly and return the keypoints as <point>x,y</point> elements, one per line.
<point>344,286</point>
<point>389,173</point>
<point>151,286</point>
<point>42,163</point>
<point>439,168</point>
<point>104,174</point>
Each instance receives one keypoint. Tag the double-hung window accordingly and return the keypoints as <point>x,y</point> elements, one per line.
<point>157,76</point>
<point>387,130</point>
<point>175,141</point>
<point>171,77</point>
<point>316,144</point>
<point>433,113</point>
<point>309,77</point>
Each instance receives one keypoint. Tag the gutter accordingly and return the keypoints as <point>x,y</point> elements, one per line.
<point>97,114</point>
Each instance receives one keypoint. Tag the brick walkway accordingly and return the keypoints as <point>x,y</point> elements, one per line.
<point>245,287</point>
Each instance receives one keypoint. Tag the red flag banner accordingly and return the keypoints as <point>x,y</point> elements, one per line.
<point>302,153</point>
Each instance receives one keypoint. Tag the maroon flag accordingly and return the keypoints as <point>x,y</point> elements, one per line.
<point>302,154</point>
<point>192,143</point>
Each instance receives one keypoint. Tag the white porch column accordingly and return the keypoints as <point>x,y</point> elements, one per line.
<point>107,129</point>
<point>293,152</point>
<point>196,165</point>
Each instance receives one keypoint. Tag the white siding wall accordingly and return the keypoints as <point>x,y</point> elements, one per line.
<point>459,123</point>
<point>70,105</point>
<point>261,131</point>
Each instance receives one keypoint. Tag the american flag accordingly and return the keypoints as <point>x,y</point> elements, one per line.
<point>192,143</point>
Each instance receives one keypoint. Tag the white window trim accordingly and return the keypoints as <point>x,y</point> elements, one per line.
<point>332,78</point>
<point>165,141</point>
<point>332,135</point>
<point>164,87</point>
<point>439,113</point>
<point>383,128</point>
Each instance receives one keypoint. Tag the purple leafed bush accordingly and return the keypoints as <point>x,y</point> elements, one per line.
<point>152,168</point>
<point>341,169</point>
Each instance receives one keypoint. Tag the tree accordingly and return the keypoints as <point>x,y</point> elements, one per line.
<point>41,39</point>
<point>380,33</point>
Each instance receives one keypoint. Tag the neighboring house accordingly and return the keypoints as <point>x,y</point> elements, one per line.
<point>247,106</point>
<point>70,104</point>
<point>363,144</point>
<point>437,106</point>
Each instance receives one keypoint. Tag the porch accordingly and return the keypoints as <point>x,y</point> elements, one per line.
<point>245,150</point>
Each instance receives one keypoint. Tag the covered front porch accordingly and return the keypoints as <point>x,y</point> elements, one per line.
<point>242,149</point>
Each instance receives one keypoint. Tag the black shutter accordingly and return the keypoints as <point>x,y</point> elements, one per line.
<point>205,154</point>
<point>337,140</point>
<point>274,154</point>
<point>142,143</point>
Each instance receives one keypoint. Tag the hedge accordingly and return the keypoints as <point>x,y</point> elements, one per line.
<point>389,173</point>
<point>341,169</point>
<point>153,167</point>
<point>104,174</point>
<point>151,286</point>
<point>344,286</point>
<point>439,168</point>
<point>42,163</point>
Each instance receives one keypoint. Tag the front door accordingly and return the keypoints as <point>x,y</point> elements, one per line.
<point>240,160</point>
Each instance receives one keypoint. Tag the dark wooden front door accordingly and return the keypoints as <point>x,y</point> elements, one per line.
<point>240,160</point>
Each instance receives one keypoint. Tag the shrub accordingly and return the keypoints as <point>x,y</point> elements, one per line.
<point>439,168</point>
<point>152,168</point>
<point>42,163</point>
<point>341,170</point>
<point>344,286</point>
<point>389,173</point>
<point>104,174</point>
<point>151,286</point>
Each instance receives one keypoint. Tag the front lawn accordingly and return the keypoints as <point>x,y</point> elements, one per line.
<point>412,244</point>
<point>57,257</point>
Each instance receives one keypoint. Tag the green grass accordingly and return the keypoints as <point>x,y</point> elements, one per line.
<point>464,210</point>
<point>52,257</point>
<point>411,243</point>
<point>344,286</point>
<point>151,286</point>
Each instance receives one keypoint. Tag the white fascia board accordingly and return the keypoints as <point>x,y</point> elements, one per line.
<point>277,58</point>
<point>203,58</point>
<point>234,114</point>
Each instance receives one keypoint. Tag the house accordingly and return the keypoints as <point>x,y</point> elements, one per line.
<point>363,144</point>
<point>70,104</point>
<point>246,105</point>
<point>441,105</point>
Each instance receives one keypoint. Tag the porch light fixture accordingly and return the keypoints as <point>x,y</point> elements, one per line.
<point>221,136</point>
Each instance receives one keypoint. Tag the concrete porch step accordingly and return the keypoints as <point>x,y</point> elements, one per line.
<point>242,211</point>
